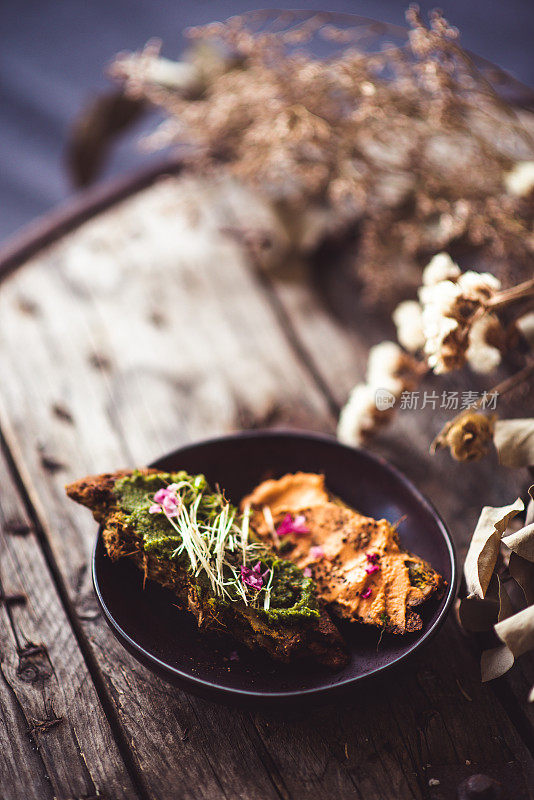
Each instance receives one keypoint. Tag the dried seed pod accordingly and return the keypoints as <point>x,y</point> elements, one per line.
<point>468,436</point>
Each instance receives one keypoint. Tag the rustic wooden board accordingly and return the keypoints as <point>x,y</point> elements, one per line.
<point>146,328</point>
<point>55,738</point>
<point>165,387</point>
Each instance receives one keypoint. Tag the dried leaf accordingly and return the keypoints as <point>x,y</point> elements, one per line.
<point>522,542</point>
<point>495,662</point>
<point>479,614</point>
<point>514,440</point>
<point>522,571</point>
<point>517,632</point>
<point>485,544</point>
<point>505,604</point>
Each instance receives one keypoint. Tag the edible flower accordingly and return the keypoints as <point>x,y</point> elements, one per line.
<point>253,577</point>
<point>372,568</point>
<point>290,525</point>
<point>307,572</point>
<point>372,557</point>
<point>317,552</point>
<point>166,501</point>
<point>366,594</point>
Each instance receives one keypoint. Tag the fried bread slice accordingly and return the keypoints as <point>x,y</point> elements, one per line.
<point>285,633</point>
<point>360,569</point>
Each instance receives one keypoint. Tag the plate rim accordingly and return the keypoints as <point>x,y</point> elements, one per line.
<point>221,691</point>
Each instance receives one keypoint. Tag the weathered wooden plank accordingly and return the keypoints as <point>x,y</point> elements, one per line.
<point>55,739</point>
<point>142,330</point>
<point>130,381</point>
<point>447,722</point>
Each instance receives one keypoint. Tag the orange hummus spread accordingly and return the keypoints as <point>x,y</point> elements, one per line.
<point>358,565</point>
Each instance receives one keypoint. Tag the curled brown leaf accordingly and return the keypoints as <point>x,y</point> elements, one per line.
<point>514,440</point>
<point>485,545</point>
<point>522,571</point>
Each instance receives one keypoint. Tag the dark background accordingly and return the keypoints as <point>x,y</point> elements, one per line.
<point>53,54</point>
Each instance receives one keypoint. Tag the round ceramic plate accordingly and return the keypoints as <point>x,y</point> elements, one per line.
<point>166,640</point>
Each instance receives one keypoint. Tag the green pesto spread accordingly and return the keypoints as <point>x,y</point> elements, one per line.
<point>291,593</point>
<point>418,575</point>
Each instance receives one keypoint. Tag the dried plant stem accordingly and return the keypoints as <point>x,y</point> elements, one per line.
<point>508,383</point>
<point>520,292</point>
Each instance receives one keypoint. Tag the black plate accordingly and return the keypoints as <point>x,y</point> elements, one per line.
<point>166,640</point>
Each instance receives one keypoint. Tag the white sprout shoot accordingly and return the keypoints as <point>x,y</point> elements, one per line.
<point>267,599</point>
<point>268,517</point>
<point>207,542</point>
<point>244,532</point>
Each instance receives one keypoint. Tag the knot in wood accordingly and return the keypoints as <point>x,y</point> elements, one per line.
<point>33,663</point>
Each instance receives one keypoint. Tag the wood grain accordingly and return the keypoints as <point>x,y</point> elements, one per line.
<point>55,739</point>
<point>125,400</point>
<point>146,328</point>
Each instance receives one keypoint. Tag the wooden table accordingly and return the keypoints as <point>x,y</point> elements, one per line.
<point>130,328</point>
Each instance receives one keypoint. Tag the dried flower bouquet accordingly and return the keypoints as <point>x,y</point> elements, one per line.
<point>409,143</point>
<point>460,318</point>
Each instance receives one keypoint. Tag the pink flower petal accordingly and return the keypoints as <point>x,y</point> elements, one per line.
<point>317,552</point>
<point>372,568</point>
<point>290,525</point>
<point>307,572</point>
<point>166,500</point>
<point>253,577</point>
<point>285,525</point>
<point>366,594</point>
<point>372,557</point>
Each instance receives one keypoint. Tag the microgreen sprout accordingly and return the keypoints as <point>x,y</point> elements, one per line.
<point>214,538</point>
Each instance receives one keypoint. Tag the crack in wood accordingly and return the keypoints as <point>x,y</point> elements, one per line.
<point>13,599</point>
<point>99,361</point>
<point>50,463</point>
<point>28,306</point>
<point>38,726</point>
<point>16,528</point>
<point>62,412</point>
